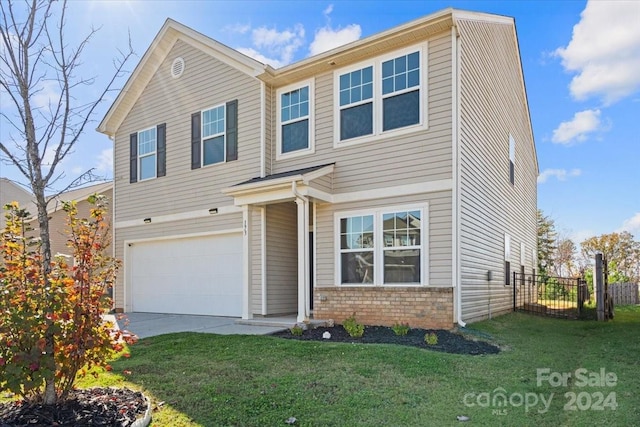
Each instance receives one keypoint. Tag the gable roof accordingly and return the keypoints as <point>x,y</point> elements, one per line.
<point>80,194</point>
<point>160,47</point>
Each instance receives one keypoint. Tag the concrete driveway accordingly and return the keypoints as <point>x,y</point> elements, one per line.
<point>150,324</point>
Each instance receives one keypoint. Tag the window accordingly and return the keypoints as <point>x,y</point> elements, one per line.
<point>379,97</point>
<point>294,120</point>
<point>402,247</point>
<point>214,135</point>
<point>213,129</point>
<point>147,154</point>
<point>401,91</point>
<point>507,260</point>
<point>356,249</point>
<point>385,247</point>
<point>356,103</point>
<point>512,160</point>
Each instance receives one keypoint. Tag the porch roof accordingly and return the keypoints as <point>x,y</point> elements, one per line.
<point>278,186</point>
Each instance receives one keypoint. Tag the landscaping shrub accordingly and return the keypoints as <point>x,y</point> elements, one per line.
<point>353,328</point>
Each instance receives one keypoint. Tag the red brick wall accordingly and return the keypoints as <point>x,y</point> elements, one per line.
<point>421,307</point>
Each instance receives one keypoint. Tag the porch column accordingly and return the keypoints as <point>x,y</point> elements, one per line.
<point>246,262</point>
<point>303,258</point>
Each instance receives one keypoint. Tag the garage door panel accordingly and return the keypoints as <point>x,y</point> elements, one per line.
<point>188,276</point>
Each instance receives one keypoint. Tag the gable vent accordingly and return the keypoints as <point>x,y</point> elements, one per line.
<point>177,68</point>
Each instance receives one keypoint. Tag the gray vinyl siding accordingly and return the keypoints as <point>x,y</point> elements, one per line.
<point>439,235</point>
<point>206,82</point>
<point>492,106</point>
<point>420,156</point>
<point>282,258</point>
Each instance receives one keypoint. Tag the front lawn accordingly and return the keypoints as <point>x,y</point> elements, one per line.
<point>588,375</point>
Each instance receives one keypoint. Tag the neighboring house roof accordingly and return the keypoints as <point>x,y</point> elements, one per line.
<point>79,195</point>
<point>12,192</point>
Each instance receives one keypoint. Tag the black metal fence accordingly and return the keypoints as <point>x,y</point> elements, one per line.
<point>549,296</point>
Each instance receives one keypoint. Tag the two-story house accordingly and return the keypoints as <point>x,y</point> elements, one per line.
<point>393,177</point>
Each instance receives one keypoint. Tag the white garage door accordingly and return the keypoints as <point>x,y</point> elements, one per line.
<point>201,275</point>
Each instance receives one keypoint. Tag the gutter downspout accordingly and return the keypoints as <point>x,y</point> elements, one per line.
<point>456,216</point>
<point>263,118</point>
<point>302,203</point>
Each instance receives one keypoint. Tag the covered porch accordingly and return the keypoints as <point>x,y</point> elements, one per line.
<point>278,231</point>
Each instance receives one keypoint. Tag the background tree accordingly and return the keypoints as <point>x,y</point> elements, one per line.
<point>546,243</point>
<point>622,253</point>
<point>564,264</point>
<point>34,54</point>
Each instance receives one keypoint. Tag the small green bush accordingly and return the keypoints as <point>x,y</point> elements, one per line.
<point>353,328</point>
<point>400,329</point>
<point>431,338</point>
<point>296,330</point>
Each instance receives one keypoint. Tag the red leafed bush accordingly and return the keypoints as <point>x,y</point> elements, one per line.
<point>68,311</point>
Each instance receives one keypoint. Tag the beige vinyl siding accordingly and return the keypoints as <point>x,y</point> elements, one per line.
<point>123,236</point>
<point>206,82</point>
<point>282,258</point>
<point>493,105</point>
<point>423,155</point>
<point>439,235</point>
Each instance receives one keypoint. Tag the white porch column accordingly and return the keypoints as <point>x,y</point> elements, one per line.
<point>246,262</point>
<point>303,258</point>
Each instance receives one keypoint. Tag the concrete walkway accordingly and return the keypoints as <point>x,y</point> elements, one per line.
<point>150,324</point>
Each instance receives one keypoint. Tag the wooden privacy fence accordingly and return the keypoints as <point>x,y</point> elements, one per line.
<point>624,293</point>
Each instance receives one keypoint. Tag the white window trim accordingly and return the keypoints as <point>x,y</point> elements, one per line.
<point>378,133</point>
<point>378,245</point>
<point>155,154</point>
<point>311,149</point>
<point>202,137</point>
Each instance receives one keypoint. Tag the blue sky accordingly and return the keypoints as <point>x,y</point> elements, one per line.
<point>581,64</point>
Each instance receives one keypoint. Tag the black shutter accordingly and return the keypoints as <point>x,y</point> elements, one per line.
<point>133,157</point>
<point>232,130</point>
<point>161,147</point>
<point>195,140</point>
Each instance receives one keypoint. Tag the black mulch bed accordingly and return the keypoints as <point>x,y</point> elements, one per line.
<point>113,407</point>
<point>448,342</point>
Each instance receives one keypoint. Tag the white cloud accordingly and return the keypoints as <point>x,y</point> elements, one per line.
<point>559,174</point>
<point>279,44</point>
<point>632,225</point>
<point>604,51</point>
<point>237,28</point>
<point>275,63</point>
<point>327,38</point>
<point>583,123</point>
<point>105,161</point>
<point>328,10</point>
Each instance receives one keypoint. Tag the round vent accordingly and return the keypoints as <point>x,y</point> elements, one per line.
<point>177,68</point>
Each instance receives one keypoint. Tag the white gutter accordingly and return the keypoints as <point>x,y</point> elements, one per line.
<point>456,216</point>
<point>262,129</point>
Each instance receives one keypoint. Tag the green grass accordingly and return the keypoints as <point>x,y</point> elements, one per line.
<point>213,380</point>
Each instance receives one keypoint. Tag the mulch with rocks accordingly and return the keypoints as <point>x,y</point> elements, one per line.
<point>448,342</point>
<point>98,407</point>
